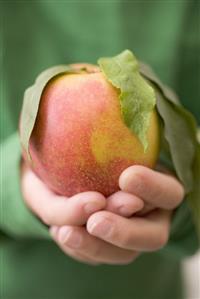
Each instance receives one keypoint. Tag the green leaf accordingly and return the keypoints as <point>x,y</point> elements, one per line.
<point>31,102</point>
<point>194,196</point>
<point>137,97</point>
<point>180,132</point>
<point>148,73</point>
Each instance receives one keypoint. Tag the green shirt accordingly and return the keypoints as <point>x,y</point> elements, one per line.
<point>40,34</point>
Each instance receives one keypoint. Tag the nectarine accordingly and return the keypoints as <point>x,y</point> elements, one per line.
<point>80,141</point>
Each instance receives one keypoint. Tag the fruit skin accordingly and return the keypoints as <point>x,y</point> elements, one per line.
<point>80,141</point>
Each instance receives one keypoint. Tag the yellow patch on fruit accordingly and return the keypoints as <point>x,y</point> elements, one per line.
<point>112,139</point>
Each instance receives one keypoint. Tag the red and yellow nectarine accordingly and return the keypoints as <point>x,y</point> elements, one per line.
<point>80,141</point>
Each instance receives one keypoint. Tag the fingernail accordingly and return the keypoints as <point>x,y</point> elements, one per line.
<point>101,228</point>
<point>91,207</point>
<point>70,237</point>
<point>128,209</point>
<point>125,211</point>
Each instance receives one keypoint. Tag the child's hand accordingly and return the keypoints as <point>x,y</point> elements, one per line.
<point>58,210</point>
<point>113,239</point>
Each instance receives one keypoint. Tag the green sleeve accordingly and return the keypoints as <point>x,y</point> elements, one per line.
<point>16,219</point>
<point>183,239</point>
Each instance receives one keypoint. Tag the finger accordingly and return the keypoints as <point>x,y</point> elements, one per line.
<point>59,210</point>
<point>147,208</point>
<point>137,233</point>
<point>124,204</point>
<point>160,190</point>
<point>98,251</point>
<point>75,255</point>
<point>69,251</point>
